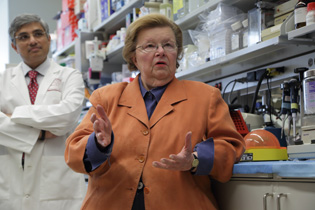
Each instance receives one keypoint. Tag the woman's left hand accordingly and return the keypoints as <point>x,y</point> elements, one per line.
<point>179,162</point>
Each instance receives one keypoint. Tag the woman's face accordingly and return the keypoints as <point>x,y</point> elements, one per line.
<point>155,56</point>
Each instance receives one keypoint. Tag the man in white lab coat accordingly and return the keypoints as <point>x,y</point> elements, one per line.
<point>33,173</point>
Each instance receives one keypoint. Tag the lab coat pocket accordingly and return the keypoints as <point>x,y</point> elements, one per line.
<point>4,178</point>
<point>52,97</point>
<point>58,181</point>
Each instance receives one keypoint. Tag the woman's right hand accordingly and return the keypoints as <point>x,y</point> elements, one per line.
<point>102,127</point>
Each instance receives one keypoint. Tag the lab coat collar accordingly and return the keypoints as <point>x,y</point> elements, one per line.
<point>42,68</point>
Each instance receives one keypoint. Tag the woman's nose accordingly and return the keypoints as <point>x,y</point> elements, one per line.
<point>160,49</point>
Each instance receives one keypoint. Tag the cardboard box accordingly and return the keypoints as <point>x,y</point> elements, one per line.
<point>280,19</point>
<point>78,6</point>
<point>68,18</point>
<point>271,32</point>
<point>60,39</point>
<point>285,8</point>
<point>67,5</point>
<point>70,34</point>
<point>106,9</point>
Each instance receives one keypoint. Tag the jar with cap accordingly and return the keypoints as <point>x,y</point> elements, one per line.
<point>300,11</point>
<point>236,37</point>
<point>310,15</point>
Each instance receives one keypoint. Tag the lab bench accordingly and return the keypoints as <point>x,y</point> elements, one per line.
<point>267,185</point>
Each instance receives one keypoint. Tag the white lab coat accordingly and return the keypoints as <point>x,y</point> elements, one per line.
<point>46,182</point>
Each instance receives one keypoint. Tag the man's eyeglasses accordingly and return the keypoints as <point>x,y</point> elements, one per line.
<point>25,36</point>
<point>152,47</point>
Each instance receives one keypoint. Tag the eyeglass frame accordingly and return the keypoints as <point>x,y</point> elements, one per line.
<point>157,47</point>
<point>18,37</point>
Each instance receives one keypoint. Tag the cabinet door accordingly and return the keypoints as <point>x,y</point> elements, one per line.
<point>245,195</point>
<point>297,195</point>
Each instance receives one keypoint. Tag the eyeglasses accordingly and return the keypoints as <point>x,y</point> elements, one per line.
<point>152,47</point>
<point>23,37</point>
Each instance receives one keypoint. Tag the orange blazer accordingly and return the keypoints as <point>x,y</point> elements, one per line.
<point>185,106</point>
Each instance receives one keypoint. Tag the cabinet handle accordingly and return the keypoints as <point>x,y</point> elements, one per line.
<point>278,200</point>
<point>265,199</point>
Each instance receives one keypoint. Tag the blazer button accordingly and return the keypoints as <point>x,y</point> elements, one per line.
<point>146,190</point>
<point>141,159</point>
<point>145,132</point>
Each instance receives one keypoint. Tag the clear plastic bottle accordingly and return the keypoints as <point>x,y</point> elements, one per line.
<point>237,36</point>
<point>300,11</point>
<point>245,33</point>
<point>310,15</point>
<point>166,9</point>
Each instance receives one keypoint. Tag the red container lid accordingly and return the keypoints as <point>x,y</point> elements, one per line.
<point>311,6</point>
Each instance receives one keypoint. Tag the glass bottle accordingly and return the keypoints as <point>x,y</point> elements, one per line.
<point>300,12</point>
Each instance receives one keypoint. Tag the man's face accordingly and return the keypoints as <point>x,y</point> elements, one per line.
<point>32,44</point>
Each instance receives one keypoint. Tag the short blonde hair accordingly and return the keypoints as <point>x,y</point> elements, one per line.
<point>145,22</point>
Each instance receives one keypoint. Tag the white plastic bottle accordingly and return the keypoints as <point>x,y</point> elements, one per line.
<point>166,9</point>
<point>236,37</point>
<point>310,15</point>
<point>122,34</point>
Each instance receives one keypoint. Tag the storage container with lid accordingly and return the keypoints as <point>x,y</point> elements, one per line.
<point>236,37</point>
<point>309,92</point>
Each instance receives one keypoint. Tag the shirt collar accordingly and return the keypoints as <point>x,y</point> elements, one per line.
<point>157,92</point>
<point>42,68</point>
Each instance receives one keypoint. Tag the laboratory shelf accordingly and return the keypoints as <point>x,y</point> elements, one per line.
<point>305,33</point>
<point>191,20</point>
<point>259,54</point>
<point>65,51</point>
<point>115,55</point>
<point>117,20</point>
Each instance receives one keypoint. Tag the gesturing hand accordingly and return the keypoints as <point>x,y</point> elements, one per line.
<point>180,162</point>
<point>102,127</point>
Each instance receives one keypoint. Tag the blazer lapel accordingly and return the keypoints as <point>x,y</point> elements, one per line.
<point>174,93</point>
<point>132,98</point>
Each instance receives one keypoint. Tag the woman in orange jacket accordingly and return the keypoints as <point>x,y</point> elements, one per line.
<point>154,143</point>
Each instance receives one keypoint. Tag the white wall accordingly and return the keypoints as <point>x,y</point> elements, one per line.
<point>4,37</point>
<point>46,9</point>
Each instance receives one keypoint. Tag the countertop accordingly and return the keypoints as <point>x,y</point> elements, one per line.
<point>286,169</point>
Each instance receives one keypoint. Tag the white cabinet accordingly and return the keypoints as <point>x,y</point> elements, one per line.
<point>266,194</point>
<point>297,195</point>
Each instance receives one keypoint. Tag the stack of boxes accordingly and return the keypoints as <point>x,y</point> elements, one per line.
<point>67,24</point>
<point>281,13</point>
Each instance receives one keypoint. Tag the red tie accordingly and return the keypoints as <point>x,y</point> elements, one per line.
<point>33,85</point>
